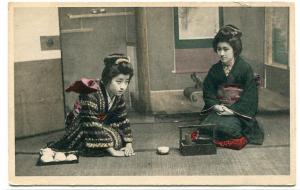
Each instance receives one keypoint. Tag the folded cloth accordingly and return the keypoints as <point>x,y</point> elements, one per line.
<point>84,86</point>
<point>235,144</point>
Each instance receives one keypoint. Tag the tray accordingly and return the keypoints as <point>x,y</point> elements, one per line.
<point>41,163</point>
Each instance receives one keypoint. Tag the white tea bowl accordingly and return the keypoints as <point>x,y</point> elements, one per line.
<point>163,150</point>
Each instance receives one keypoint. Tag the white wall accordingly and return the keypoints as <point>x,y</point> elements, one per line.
<point>29,24</point>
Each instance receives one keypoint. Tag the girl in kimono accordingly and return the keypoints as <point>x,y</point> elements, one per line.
<point>230,94</point>
<point>98,124</point>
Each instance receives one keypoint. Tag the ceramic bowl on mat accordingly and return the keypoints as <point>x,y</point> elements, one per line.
<point>163,150</point>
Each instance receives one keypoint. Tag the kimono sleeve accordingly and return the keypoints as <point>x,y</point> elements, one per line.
<point>210,89</point>
<point>120,120</point>
<point>88,111</point>
<point>248,103</point>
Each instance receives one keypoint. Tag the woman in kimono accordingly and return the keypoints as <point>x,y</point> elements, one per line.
<point>230,94</point>
<point>98,124</point>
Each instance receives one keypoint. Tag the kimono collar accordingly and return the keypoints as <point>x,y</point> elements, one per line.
<point>110,100</point>
<point>105,95</point>
<point>230,65</point>
<point>227,68</point>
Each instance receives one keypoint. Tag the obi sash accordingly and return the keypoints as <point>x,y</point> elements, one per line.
<point>84,86</point>
<point>229,94</point>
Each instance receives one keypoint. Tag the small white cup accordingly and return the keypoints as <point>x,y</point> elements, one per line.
<point>71,157</point>
<point>60,156</point>
<point>47,151</point>
<point>163,150</point>
<point>47,158</point>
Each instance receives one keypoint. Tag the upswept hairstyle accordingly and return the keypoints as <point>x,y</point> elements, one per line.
<point>116,64</point>
<point>232,35</point>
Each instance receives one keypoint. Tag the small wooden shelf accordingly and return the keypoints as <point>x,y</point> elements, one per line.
<point>71,16</point>
<point>76,30</point>
<point>277,65</point>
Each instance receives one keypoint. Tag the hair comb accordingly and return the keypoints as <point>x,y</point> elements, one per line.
<point>122,59</point>
<point>235,30</point>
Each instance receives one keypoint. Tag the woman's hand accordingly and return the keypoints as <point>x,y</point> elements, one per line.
<point>128,150</point>
<point>226,111</point>
<point>218,108</point>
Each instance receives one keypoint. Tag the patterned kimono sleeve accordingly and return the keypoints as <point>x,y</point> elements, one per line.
<point>119,120</point>
<point>88,111</point>
<point>95,134</point>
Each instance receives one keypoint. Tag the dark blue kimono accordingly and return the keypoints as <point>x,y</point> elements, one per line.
<point>243,122</point>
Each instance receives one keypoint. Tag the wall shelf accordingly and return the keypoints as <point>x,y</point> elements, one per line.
<point>90,15</point>
<point>76,30</point>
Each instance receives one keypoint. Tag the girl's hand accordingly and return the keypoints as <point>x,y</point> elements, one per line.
<point>128,150</point>
<point>116,153</point>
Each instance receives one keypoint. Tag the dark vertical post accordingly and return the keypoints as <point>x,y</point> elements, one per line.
<point>180,137</point>
<point>143,60</point>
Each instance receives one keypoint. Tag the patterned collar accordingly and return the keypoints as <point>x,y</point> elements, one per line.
<point>103,93</point>
<point>227,68</point>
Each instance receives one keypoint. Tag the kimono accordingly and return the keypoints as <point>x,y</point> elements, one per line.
<point>94,125</point>
<point>242,100</point>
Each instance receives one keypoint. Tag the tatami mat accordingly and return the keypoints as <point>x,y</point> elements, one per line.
<point>272,158</point>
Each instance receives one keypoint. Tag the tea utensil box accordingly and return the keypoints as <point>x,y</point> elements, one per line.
<point>202,146</point>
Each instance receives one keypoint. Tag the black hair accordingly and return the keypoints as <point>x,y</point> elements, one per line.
<point>232,35</point>
<point>116,64</point>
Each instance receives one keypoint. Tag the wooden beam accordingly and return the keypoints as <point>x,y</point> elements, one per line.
<point>98,15</point>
